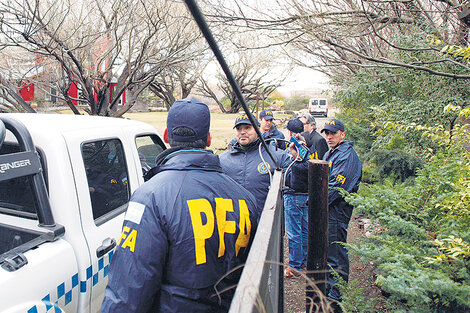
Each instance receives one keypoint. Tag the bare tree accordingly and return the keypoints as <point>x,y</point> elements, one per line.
<point>104,48</point>
<point>343,36</point>
<point>180,79</point>
<point>257,72</point>
<point>10,100</point>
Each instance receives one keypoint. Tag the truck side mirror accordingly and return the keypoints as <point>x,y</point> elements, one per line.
<point>3,131</point>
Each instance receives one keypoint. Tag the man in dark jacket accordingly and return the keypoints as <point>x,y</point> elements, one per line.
<point>345,173</point>
<point>311,136</point>
<point>184,229</point>
<point>268,129</point>
<point>296,213</point>
<point>247,165</point>
<point>103,189</point>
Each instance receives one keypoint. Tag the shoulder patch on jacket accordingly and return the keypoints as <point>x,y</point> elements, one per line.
<point>134,212</point>
<point>263,169</point>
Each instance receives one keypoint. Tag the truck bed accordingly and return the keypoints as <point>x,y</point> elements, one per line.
<point>14,241</point>
<point>12,237</point>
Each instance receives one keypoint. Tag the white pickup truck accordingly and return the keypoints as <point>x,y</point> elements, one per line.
<point>65,182</point>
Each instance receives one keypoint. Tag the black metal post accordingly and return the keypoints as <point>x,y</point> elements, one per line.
<point>318,172</point>
<point>39,186</point>
<point>201,22</point>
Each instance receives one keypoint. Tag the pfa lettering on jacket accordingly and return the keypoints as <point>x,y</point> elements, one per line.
<point>341,179</point>
<point>134,214</point>
<point>128,238</point>
<point>205,230</point>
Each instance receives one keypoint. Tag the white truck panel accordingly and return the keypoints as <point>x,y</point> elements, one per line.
<point>58,287</point>
<point>98,235</point>
<point>67,274</point>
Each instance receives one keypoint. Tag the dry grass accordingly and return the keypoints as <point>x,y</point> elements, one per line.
<point>221,125</point>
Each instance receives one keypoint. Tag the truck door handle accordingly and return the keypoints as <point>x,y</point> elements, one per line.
<point>107,245</point>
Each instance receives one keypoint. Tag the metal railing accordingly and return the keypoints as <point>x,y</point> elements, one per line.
<point>260,288</point>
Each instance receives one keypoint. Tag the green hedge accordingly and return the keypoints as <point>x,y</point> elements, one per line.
<point>422,248</point>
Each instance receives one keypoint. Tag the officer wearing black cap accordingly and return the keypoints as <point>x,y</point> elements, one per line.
<point>244,163</point>
<point>267,127</point>
<point>296,212</point>
<point>186,231</point>
<point>345,173</point>
<point>295,126</point>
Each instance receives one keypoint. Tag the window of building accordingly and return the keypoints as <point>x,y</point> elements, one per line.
<point>53,95</point>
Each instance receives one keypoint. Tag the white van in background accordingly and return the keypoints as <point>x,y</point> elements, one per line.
<point>318,106</point>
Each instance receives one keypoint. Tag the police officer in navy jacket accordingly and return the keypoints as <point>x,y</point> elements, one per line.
<point>345,173</point>
<point>269,130</point>
<point>244,163</point>
<point>186,230</point>
<point>296,210</point>
<point>267,127</point>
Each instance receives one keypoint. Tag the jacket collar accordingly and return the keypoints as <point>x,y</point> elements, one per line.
<point>343,146</point>
<point>179,158</point>
<point>237,148</point>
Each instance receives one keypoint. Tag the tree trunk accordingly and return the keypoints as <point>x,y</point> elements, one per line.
<point>11,91</point>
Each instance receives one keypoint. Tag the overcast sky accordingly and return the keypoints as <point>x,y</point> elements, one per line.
<point>303,79</point>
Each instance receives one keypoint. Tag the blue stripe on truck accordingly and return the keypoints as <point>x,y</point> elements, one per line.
<point>51,300</point>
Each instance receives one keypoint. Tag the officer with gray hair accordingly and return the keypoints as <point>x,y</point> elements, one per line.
<point>312,138</point>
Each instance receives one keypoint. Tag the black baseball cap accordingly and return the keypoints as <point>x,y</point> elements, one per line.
<point>190,113</point>
<point>243,119</point>
<point>295,125</point>
<point>333,126</point>
<point>266,114</point>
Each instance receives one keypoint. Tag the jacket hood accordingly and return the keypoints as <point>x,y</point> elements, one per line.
<point>192,160</point>
<point>345,145</point>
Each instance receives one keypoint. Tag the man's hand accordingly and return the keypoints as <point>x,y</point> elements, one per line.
<point>293,149</point>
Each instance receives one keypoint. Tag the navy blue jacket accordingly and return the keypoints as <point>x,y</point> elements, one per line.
<point>345,173</point>
<point>105,189</point>
<point>275,134</point>
<point>103,183</point>
<point>297,179</point>
<point>247,168</point>
<point>184,229</point>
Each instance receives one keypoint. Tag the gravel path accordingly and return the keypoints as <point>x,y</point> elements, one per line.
<point>361,274</point>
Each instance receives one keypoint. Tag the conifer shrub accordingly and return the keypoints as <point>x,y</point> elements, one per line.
<point>422,248</point>
<point>398,164</point>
